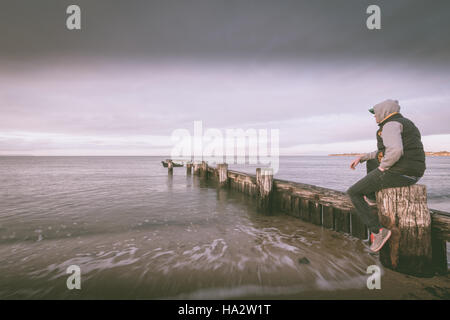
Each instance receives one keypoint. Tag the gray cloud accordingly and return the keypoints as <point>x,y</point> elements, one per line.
<point>145,68</point>
<point>227,30</point>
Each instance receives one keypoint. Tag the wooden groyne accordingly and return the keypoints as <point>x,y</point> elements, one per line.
<point>418,245</point>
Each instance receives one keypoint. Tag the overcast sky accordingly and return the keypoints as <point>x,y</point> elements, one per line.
<point>139,70</point>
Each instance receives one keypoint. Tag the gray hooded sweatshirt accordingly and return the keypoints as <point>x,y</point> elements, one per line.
<point>391,134</point>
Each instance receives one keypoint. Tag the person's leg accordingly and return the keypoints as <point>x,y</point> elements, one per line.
<point>371,165</point>
<point>371,183</point>
<point>395,180</point>
<point>374,181</point>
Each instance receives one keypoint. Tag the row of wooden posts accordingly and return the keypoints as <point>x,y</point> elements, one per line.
<point>419,234</point>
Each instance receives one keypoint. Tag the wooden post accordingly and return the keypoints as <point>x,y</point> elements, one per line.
<point>222,169</point>
<point>359,230</point>
<point>316,212</point>
<point>188,168</point>
<point>169,166</point>
<point>284,202</point>
<point>296,206</point>
<point>440,234</point>
<point>196,168</point>
<point>342,220</point>
<point>328,217</point>
<point>439,250</point>
<point>264,185</point>
<point>405,212</point>
<point>204,170</point>
<point>305,214</point>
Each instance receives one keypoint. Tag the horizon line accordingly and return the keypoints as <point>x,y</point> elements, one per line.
<point>180,158</point>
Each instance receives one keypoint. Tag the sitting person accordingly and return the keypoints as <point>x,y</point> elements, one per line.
<point>399,161</point>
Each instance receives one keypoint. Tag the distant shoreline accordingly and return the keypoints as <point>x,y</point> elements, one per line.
<point>427,153</point>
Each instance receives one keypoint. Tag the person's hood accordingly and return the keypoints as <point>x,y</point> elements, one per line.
<point>385,109</point>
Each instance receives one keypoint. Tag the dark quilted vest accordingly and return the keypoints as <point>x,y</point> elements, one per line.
<point>412,163</point>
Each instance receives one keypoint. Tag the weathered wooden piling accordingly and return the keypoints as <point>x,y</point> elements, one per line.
<point>316,211</point>
<point>169,166</point>
<point>196,167</point>
<point>189,168</point>
<point>440,234</point>
<point>328,217</point>
<point>204,170</point>
<point>222,169</point>
<point>342,220</point>
<point>264,186</point>
<point>404,211</point>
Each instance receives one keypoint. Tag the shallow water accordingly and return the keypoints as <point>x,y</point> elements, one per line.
<point>137,232</point>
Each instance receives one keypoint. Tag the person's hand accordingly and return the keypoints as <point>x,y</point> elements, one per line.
<point>355,163</point>
<point>381,169</point>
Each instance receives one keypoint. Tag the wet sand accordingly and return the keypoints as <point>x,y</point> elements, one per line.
<point>394,286</point>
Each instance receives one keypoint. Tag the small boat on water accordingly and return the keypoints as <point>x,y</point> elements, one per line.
<point>175,164</point>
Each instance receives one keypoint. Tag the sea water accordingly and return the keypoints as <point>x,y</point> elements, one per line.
<point>137,232</point>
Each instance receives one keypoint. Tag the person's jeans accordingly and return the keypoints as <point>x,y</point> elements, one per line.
<point>375,180</point>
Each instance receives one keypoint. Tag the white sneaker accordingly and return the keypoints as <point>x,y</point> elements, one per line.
<point>379,239</point>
